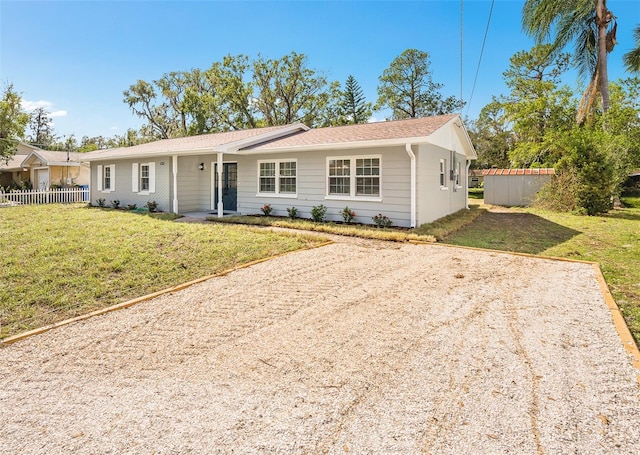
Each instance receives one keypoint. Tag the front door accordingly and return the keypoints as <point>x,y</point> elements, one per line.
<point>229,186</point>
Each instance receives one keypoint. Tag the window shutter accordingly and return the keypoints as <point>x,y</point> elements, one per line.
<point>134,177</point>
<point>152,177</point>
<point>113,177</point>
<point>100,177</point>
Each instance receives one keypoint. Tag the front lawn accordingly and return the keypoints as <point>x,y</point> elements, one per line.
<point>60,261</point>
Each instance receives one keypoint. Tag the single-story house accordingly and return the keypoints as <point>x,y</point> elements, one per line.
<point>11,171</point>
<point>44,168</point>
<point>514,187</point>
<point>413,171</point>
<point>476,178</point>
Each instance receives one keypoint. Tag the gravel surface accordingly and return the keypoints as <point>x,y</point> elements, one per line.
<point>355,347</point>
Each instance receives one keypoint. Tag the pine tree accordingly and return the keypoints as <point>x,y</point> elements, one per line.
<point>353,106</point>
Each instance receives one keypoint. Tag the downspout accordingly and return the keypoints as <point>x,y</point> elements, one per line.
<point>466,186</point>
<point>174,165</point>
<point>412,156</point>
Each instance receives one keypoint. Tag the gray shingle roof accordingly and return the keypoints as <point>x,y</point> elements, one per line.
<point>291,137</point>
<point>398,129</point>
<point>205,142</point>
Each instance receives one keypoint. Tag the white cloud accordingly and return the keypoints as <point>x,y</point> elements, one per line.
<point>46,105</point>
<point>114,128</point>
<point>33,105</point>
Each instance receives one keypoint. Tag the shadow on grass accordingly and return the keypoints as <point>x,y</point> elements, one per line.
<point>622,214</point>
<point>519,232</point>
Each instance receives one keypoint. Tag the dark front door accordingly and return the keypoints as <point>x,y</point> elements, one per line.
<point>229,186</point>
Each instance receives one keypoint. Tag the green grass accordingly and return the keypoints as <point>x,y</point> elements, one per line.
<point>60,261</point>
<point>613,240</point>
<point>447,225</point>
<point>352,230</point>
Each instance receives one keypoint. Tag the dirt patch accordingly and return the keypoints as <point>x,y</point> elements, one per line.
<point>360,347</point>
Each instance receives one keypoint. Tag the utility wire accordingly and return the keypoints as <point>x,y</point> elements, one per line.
<point>461,23</point>
<point>475,79</point>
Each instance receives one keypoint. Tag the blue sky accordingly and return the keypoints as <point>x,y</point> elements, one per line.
<point>76,58</point>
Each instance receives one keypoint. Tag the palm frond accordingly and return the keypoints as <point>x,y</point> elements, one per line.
<point>632,58</point>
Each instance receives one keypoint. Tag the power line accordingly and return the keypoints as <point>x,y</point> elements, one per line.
<point>461,23</point>
<point>475,79</point>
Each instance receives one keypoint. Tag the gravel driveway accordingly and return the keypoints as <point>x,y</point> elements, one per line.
<point>355,347</point>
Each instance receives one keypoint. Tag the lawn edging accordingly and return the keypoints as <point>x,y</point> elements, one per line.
<point>129,303</point>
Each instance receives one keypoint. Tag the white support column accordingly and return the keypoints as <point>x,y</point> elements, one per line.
<point>220,205</point>
<point>174,165</point>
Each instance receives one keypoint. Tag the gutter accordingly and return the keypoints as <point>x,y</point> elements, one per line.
<point>466,186</point>
<point>412,156</point>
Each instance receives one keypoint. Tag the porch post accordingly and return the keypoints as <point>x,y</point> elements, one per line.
<point>174,165</point>
<point>219,171</point>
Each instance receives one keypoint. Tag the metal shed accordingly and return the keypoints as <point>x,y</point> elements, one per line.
<point>514,187</point>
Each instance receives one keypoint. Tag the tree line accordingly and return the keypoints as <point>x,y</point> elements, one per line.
<point>589,133</point>
<point>239,93</point>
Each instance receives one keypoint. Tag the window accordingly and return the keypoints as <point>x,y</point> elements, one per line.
<point>368,177</point>
<point>340,177</point>
<point>106,178</point>
<point>278,177</point>
<point>354,177</point>
<point>143,178</point>
<point>443,174</point>
<point>288,177</point>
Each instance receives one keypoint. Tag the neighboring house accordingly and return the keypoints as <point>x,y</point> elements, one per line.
<point>11,171</point>
<point>413,171</point>
<point>476,178</point>
<point>44,168</point>
<point>514,187</point>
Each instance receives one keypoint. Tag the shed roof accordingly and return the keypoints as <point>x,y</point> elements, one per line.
<point>535,171</point>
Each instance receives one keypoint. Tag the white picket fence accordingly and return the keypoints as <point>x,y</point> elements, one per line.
<point>51,196</point>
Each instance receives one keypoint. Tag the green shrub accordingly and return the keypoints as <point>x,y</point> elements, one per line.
<point>266,209</point>
<point>131,206</point>
<point>115,204</point>
<point>152,206</point>
<point>292,212</point>
<point>347,215</point>
<point>318,213</point>
<point>382,221</point>
<point>100,202</point>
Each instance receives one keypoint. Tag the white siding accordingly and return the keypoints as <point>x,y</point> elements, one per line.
<point>194,185</point>
<point>124,187</point>
<point>434,202</point>
<point>311,181</point>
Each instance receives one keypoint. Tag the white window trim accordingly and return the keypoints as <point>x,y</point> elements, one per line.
<point>442,170</point>
<point>277,192</point>
<point>112,176</point>
<point>352,180</point>
<point>136,178</point>
<point>458,174</point>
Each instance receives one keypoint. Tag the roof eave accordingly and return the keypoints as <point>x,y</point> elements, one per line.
<point>339,145</point>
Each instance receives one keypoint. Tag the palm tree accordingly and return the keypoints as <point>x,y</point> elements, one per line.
<point>590,26</point>
<point>632,58</point>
